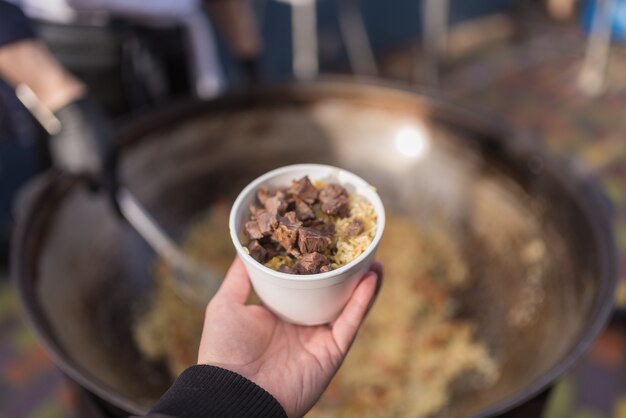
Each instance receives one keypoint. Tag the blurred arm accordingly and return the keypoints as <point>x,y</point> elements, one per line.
<point>205,66</point>
<point>24,60</point>
<point>29,62</point>
<point>235,19</point>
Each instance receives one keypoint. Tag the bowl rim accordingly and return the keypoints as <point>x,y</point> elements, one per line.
<point>332,170</point>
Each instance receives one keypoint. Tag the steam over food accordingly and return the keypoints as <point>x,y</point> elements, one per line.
<point>308,228</point>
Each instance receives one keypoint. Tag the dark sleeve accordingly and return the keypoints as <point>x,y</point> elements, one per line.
<point>212,392</point>
<point>14,25</point>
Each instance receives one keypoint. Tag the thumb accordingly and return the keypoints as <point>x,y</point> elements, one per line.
<point>345,327</point>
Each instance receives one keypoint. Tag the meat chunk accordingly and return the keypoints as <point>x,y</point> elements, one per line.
<point>334,200</point>
<point>311,263</point>
<point>339,206</point>
<point>266,222</point>
<point>354,228</point>
<point>303,211</point>
<point>271,250</point>
<point>321,226</point>
<point>290,219</point>
<point>257,251</point>
<point>254,211</point>
<point>325,268</point>
<point>277,204</point>
<point>262,194</point>
<point>284,268</point>
<point>251,228</point>
<point>311,240</point>
<point>332,191</point>
<point>304,189</point>
<point>286,236</point>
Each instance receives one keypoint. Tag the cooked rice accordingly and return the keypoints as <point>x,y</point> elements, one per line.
<point>349,249</point>
<point>278,261</point>
<point>410,352</point>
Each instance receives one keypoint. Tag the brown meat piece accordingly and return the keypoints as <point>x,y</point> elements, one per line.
<point>332,191</point>
<point>257,251</point>
<point>262,194</point>
<point>290,219</point>
<point>354,228</point>
<point>325,268</point>
<point>304,189</point>
<point>251,228</point>
<point>311,240</point>
<point>303,211</point>
<point>286,236</point>
<point>267,222</point>
<point>277,204</point>
<point>334,199</point>
<point>271,250</point>
<point>323,227</point>
<point>284,268</point>
<point>311,263</point>
<point>254,211</point>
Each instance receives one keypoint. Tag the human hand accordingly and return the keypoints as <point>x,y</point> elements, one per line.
<point>293,363</point>
<point>84,145</point>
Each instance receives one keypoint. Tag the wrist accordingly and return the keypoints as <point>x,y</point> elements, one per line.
<point>67,90</point>
<point>245,371</point>
<point>204,390</point>
<point>29,62</point>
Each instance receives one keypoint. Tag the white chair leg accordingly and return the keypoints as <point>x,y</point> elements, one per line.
<point>434,39</point>
<point>360,53</point>
<point>207,74</point>
<point>304,39</point>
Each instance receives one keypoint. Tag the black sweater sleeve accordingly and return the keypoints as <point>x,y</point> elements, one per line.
<point>14,25</point>
<point>212,392</point>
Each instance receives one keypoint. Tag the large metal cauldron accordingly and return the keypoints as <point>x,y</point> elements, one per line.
<point>83,276</point>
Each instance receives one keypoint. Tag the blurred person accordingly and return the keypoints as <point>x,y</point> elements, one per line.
<point>250,362</point>
<point>25,60</point>
<point>83,145</point>
<point>253,364</point>
<point>234,17</point>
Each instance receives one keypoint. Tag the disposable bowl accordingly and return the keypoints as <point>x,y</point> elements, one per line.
<point>314,298</point>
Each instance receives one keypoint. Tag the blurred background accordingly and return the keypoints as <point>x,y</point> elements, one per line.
<point>553,69</point>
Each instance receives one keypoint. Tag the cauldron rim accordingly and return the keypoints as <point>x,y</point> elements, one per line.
<point>584,190</point>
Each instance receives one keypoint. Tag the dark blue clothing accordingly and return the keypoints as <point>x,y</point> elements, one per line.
<point>14,25</point>
<point>212,392</point>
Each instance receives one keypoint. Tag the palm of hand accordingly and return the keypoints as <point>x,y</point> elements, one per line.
<point>294,363</point>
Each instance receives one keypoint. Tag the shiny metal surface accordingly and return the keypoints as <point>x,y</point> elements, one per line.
<point>429,161</point>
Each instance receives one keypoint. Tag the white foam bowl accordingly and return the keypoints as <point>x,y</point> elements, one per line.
<point>310,299</point>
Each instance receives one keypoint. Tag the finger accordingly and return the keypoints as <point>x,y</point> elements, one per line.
<point>377,268</point>
<point>346,326</point>
<point>236,285</point>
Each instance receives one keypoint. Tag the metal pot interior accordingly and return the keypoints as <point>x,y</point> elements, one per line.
<point>435,168</point>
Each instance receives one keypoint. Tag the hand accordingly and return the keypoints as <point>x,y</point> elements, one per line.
<point>294,363</point>
<point>84,146</point>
